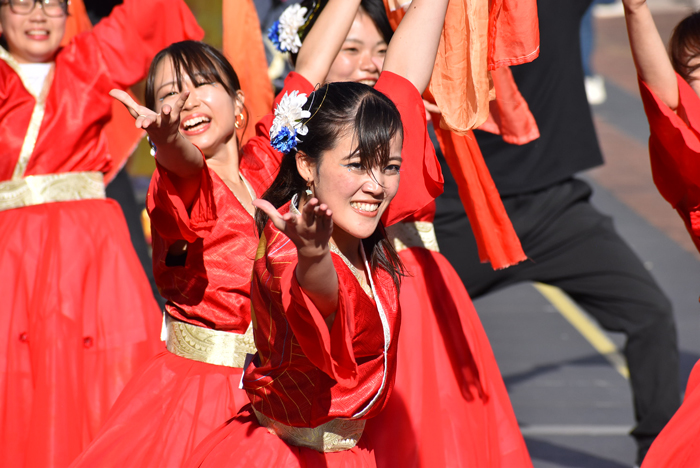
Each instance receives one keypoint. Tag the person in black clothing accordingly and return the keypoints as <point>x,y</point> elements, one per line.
<point>569,243</point>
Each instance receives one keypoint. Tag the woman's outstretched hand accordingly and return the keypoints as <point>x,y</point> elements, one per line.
<point>164,128</point>
<point>310,231</point>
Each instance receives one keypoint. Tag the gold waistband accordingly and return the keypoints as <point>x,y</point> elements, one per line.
<point>415,234</point>
<point>39,189</point>
<point>334,436</point>
<point>207,345</point>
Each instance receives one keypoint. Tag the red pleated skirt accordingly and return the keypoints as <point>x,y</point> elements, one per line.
<point>678,444</point>
<point>244,442</point>
<point>449,407</point>
<point>78,318</point>
<point>164,413</point>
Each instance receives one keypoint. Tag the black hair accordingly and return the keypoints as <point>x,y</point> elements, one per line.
<point>338,110</point>
<point>201,62</point>
<point>373,8</point>
<point>685,45</point>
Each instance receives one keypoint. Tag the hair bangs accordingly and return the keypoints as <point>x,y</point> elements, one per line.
<point>199,62</point>
<point>377,125</point>
<point>685,46</point>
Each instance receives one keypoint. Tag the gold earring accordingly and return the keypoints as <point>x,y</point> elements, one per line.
<point>238,123</point>
<point>309,192</point>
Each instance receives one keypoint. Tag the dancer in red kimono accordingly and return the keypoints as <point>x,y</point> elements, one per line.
<point>449,406</point>
<point>78,313</point>
<point>325,280</point>
<point>670,91</point>
<point>204,244</point>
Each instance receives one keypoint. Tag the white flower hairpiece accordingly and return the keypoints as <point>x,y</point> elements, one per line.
<point>284,34</point>
<point>288,122</point>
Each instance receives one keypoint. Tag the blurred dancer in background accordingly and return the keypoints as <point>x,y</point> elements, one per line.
<point>571,244</point>
<point>79,315</point>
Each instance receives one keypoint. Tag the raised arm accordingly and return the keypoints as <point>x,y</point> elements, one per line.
<point>649,53</point>
<point>325,39</point>
<point>412,50</point>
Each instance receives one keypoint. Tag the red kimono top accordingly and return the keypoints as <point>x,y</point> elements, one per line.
<point>115,54</point>
<point>308,375</point>
<point>674,149</point>
<point>212,288</point>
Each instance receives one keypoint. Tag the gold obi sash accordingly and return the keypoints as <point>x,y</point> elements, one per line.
<point>415,234</point>
<point>39,189</point>
<point>334,436</point>
<point>206,345</point>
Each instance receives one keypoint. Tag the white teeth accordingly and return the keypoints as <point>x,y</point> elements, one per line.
<point>368,82</point>
<point>35,32</point>
<point>369,207</point>
<point>196,121</point>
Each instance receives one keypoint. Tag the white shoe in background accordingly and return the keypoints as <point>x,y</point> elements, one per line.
<point>595,90</point>
<point>609,10</point>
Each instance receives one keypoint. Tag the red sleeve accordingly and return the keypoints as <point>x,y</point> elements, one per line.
<point>170,218</point>
<point>137,30</point>
<point>674,144</point>
<point>260,160</point>
<point>329,350</point>
<point>421,176</point>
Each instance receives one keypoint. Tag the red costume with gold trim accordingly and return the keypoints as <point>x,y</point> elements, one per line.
<point>176,400</point>
<point>674,149</point>
<point>308,375</point>
<point>79,315</point>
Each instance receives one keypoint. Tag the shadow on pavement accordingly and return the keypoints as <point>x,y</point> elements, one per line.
<point>567,457</point>
<point>516,378</point>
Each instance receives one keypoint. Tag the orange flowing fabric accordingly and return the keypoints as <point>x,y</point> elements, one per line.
<point>497,241</point>
<point>243,47</point>
<point>122,135</point>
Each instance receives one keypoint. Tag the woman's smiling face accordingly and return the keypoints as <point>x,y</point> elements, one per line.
<point>32,38</point>
<point>209,115</point>
<point>357,197</point>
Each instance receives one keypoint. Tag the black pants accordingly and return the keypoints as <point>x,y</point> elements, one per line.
<point>575,247</point>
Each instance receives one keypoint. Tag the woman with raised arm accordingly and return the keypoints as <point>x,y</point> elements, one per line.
<point>78,313</point>
<point>325,279</point>
<point>670,89</point>
<point>204,242</point>
<point>445,365</point>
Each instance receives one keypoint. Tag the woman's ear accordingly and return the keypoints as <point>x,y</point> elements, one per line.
<point>240,100</point>
<point>305,166</point>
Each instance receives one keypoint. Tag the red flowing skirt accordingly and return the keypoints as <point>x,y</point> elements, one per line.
<point>449,407</point>
<point>78,318</point>
<point>678,444</point>
<point>168,408</point>
<point>244,442</point>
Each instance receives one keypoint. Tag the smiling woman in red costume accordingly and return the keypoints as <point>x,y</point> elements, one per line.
<point>204,243</point>
<point>670,90</point>
<point>78,314</point>
<point>325,280</point>
<point>449,406</point>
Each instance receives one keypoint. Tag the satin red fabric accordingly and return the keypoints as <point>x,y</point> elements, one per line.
<point>449,406</point>
<point>674,150</point>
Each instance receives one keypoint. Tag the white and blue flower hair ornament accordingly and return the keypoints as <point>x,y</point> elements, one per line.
<point>291,119</point>
<point>286,32</point>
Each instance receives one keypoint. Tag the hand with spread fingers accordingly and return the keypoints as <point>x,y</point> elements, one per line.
<point>164,128</point>
<point>310,231</point>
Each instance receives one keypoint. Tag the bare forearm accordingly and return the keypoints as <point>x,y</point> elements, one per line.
<point>649,53</point>
<point>319,280</point>
<point>325,39</point>
<point>412,51</point>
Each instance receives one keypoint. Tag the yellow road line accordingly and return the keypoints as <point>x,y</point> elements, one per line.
<point>580,321</point>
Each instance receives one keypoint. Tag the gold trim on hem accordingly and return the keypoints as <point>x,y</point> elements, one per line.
<point>49,188</point>
<point>415,234</point>
<point>336,435</point>
<point>206,345</point>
